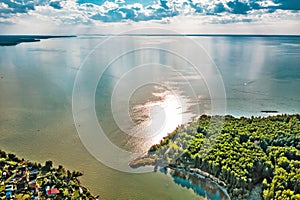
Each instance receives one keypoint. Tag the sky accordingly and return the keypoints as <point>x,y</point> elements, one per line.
<point>149,16</point>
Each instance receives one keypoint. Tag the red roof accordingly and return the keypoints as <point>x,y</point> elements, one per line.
<point>53,191</point>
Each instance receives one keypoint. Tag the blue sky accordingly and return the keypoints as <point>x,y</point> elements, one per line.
<point>197,16</point>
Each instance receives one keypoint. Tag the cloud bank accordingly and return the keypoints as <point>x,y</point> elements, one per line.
<point>90,12</point>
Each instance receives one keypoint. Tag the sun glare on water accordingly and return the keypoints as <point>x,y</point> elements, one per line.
<point>159,116</point>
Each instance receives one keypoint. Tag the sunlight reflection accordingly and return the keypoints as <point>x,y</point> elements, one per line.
<point>160,115</point>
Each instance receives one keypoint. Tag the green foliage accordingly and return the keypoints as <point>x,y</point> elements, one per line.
<point>242,152</point>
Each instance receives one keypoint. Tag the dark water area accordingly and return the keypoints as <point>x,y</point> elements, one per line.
<point>202,186</point>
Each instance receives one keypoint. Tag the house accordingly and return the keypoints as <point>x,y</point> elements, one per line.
<point>8,194</point>
<point>52,192</point>
<point>9,188</point>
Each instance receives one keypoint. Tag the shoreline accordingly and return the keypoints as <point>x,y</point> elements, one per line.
<point>181,172</point>
<point>194,175</point>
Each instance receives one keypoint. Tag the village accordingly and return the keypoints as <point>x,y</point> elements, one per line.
<point>21,179</point>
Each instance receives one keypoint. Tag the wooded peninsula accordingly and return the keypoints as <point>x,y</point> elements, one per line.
<point>244,155</point>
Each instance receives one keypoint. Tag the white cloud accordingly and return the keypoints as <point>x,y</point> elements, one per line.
<point>3,5</point>
<point>69,14</point>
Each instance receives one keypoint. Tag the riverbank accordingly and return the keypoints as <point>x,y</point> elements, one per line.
<point>22,179</point>
<point>245,155</point>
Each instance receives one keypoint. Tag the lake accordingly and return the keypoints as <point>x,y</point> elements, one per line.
<point>115,96</point>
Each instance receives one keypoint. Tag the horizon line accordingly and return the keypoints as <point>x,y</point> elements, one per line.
<point>158,34</point>
<point>192,34</point>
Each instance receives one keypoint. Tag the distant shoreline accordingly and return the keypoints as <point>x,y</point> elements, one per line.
<point>13,40</point>
<point>190,35</point>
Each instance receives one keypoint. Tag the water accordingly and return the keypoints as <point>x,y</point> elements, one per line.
<point>37,79</point>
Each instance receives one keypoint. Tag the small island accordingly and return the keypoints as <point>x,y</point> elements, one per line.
<point>22,179</point>
<point>252,158</point>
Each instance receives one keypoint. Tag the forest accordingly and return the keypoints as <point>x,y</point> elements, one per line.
<point>244,153</point>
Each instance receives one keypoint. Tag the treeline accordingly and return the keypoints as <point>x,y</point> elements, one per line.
<point>245,153</point>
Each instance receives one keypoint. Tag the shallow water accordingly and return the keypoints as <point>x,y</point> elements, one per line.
<point>37,79</point>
